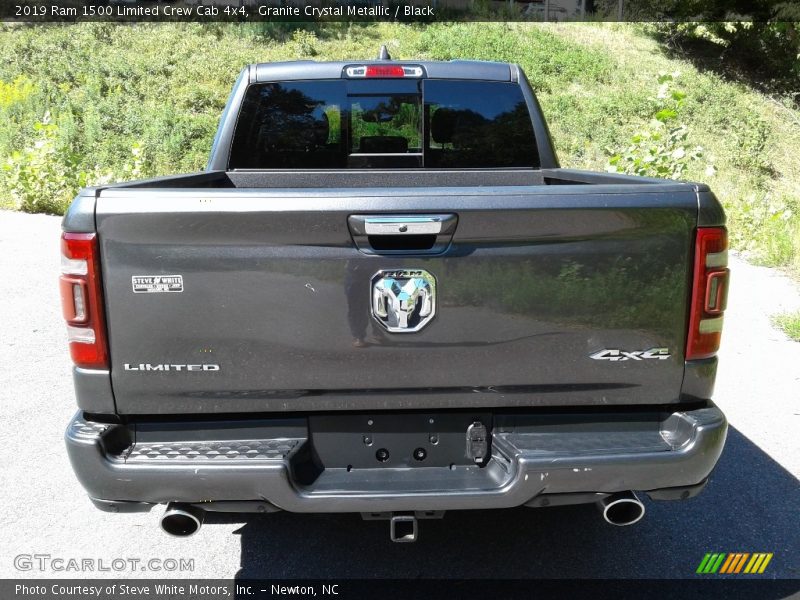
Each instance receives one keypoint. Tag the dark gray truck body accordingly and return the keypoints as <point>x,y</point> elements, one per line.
<point>536,272</point>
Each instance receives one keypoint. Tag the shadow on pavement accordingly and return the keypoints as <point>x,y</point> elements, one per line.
<point>750,505</point>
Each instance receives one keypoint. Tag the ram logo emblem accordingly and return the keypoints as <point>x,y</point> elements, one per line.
<point>403,300</point>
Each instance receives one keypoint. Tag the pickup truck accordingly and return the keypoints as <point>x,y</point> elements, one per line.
<point>384,296</point>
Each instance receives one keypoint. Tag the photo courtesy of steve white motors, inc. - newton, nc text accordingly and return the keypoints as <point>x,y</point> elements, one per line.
<point>399,299</point>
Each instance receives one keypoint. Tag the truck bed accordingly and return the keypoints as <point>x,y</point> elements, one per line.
<point>400,178</point>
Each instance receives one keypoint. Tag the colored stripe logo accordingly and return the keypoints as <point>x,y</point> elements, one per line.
<point>731,563</point>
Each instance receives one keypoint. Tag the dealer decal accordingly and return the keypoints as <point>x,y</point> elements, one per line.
<point>155,284</point>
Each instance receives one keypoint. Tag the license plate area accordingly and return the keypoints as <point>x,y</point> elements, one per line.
<point>394,440</point>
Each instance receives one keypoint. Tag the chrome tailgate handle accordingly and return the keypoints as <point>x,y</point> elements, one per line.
<point>402,234</point>
<point>429,225</point>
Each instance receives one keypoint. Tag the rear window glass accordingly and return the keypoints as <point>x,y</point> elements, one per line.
<point>399,123</point>
<point>475,124</point>
<point>290,126</point>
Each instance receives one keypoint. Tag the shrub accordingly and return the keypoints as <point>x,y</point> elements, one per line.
<point>42,177</point>
<point>45,176</point>
<point>16,91</point>
<point>661,149</point>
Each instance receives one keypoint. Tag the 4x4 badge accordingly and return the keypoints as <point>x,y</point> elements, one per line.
<point>615,354</point>
<point>403,300</point>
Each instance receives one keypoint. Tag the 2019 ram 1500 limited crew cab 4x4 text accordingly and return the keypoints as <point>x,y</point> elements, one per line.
<point>385,296</point>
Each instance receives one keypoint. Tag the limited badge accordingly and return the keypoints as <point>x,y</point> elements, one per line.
<point>403,300</point>
<point>154,284</point>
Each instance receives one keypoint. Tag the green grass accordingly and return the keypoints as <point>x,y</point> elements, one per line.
<point>109,88</point>
<point>789,323</point>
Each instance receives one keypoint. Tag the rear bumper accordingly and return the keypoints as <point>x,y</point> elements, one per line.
<point>534,457</point>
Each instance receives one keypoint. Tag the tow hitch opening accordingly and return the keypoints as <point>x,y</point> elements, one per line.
<point>403,528</point>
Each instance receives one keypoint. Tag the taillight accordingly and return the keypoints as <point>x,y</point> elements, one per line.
<point>709,292</point>
<point>82,300</point>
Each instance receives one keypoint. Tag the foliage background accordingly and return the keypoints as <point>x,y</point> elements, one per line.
<point>93,103</point>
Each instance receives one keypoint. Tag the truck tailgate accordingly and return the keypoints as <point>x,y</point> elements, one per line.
<point>547,295</point>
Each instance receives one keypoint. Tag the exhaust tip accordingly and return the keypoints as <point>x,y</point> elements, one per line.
<point>181,520</point>
<point>622,509</point>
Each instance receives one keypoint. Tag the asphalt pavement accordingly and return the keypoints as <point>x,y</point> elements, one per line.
<point>750,505</point>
